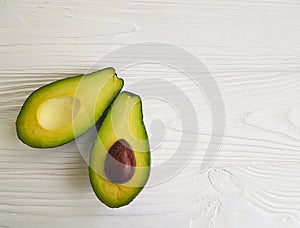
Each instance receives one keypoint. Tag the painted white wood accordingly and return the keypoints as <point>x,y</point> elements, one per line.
<point>252,48</point>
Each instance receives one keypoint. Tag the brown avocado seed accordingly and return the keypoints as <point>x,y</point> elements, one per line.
<point>120,162</point>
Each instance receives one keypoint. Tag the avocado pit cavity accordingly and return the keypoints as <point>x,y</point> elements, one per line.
<point>120,162</point>
<point>58,112</point>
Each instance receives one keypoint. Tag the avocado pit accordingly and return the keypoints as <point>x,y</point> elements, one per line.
<point>120,162</point>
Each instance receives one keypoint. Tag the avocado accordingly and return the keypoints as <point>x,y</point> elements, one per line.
<point>120,158</point>
<point>63,110</point>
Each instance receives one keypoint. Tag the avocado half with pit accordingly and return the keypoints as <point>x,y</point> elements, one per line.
<point>63,110</point>
<point>120,158</point>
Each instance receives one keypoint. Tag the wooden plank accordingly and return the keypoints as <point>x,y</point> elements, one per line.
<point>252,49</point>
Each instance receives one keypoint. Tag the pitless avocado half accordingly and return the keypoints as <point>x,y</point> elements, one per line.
<point>63,110</point>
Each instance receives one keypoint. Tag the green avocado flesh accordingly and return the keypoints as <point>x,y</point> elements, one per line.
<point>124,121</point>
<point>63,110</point>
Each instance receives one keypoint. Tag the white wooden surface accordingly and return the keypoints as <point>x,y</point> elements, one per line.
<point>252,49</point>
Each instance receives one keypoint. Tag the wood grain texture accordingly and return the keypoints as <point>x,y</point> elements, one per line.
<point>252,49</point>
